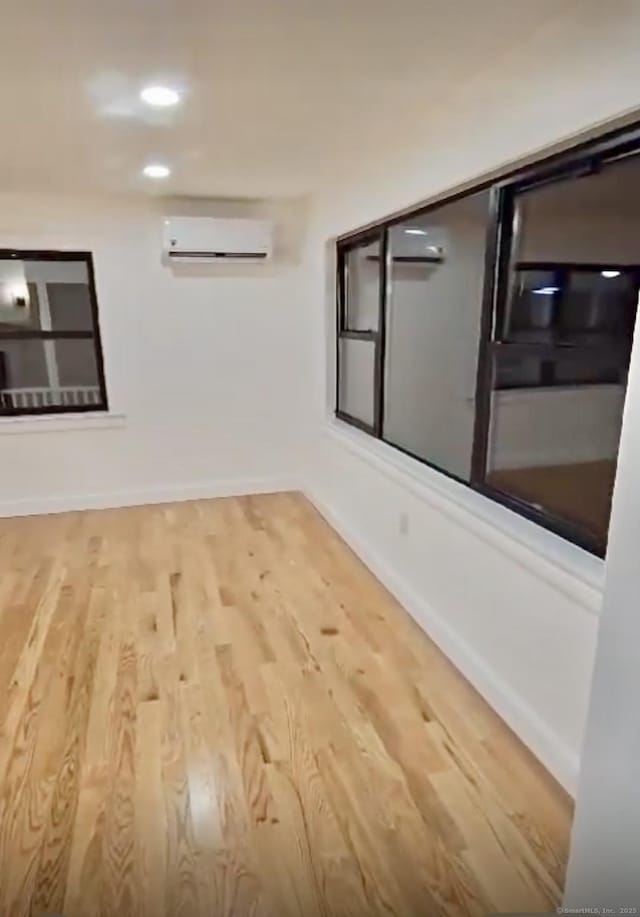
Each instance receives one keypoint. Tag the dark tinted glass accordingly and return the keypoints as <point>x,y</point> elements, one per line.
<point>70,306</point>
<point>49,347</point>
<point>36,373</point>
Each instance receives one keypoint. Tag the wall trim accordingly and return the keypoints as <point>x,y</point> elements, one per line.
<point>554,754</point>
<point>169,493</point>
<point>58,423</point>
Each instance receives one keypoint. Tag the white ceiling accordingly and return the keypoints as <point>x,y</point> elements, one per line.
<point>279,95</point>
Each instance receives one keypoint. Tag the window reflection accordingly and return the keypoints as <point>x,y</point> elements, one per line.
<point>561,360</point>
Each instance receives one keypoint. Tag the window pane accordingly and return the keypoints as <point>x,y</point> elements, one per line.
<point>590,367</point>
<point>22,364</point>
<point>571,298</point>
<point>44,295</point>
<point>19,304</point>
<point>596,306</point>
<point>571,305</point>
<point>432,332</point>
<point>363,287</point>
<point>533,306</point>
<point>76,362</point>
<point>571,366</point>
<point>70,306</point>
<point>556,448</point>
<point>37,374</point>
<point>356,395</point>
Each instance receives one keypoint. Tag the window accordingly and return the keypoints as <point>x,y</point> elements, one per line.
<point>490,335</point>
<point>360,332</point>
<point>50,351</point>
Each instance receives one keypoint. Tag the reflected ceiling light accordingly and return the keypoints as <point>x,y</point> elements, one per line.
<point>610,274</point>
<point>435,249</point>
<point>546,291</point>
<point>416,232</point>
<point>160,96</point>
<point>156,170</point>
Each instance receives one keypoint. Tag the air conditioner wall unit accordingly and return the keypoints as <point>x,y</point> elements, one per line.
<point>209,239</point>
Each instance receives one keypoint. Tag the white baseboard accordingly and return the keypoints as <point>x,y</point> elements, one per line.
<point>170,493</point>
<point>554,754</point>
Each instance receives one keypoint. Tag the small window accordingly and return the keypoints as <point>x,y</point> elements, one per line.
<point>50,350</point>
<point>361,281</point>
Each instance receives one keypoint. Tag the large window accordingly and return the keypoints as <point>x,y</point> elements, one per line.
<point>50,352</point>
<point>490,335</point>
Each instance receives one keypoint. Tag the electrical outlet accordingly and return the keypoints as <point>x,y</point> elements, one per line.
<point>404,523</point>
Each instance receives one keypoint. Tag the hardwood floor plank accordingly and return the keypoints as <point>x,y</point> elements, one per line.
<point>213,708</point>
<point>119,842</point>
<point>150,816</point>
<point>183,893</point>
<point>50,881</point>
<point>29,778</point>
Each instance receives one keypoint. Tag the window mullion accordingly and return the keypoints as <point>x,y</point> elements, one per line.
<point>498,247</point>
<point>384,280</point>
<point>51,362</point>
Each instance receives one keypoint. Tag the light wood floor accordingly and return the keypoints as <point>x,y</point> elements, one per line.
<point>214,708</point>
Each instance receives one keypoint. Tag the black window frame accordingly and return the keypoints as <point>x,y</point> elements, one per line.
<point>376,337</point>
<point>581,158</point>
<point>37,334</point>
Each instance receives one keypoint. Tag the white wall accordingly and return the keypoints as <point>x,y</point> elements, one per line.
<point>603,866</point>
<point>207,364</point>
<point>514,606</point>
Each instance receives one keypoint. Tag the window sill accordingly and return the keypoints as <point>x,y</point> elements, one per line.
<point>561,563</point>
<point>57,423</point>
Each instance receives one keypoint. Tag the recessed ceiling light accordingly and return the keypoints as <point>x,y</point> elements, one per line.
<point>156,170</point>
<point>160,96</point>
<point>610,274</point>
<point>416,232</point>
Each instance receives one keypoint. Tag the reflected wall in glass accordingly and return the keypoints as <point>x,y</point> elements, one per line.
<point>357,361</point>
<point>362,289</point>
<point>433,315</point>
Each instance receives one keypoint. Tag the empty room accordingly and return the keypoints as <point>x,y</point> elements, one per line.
<point>319,450</point>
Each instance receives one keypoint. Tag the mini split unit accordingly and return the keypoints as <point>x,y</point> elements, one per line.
<point>207,239</point>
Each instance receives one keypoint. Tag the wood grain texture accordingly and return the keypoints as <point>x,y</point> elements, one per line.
<point>213,708</point>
